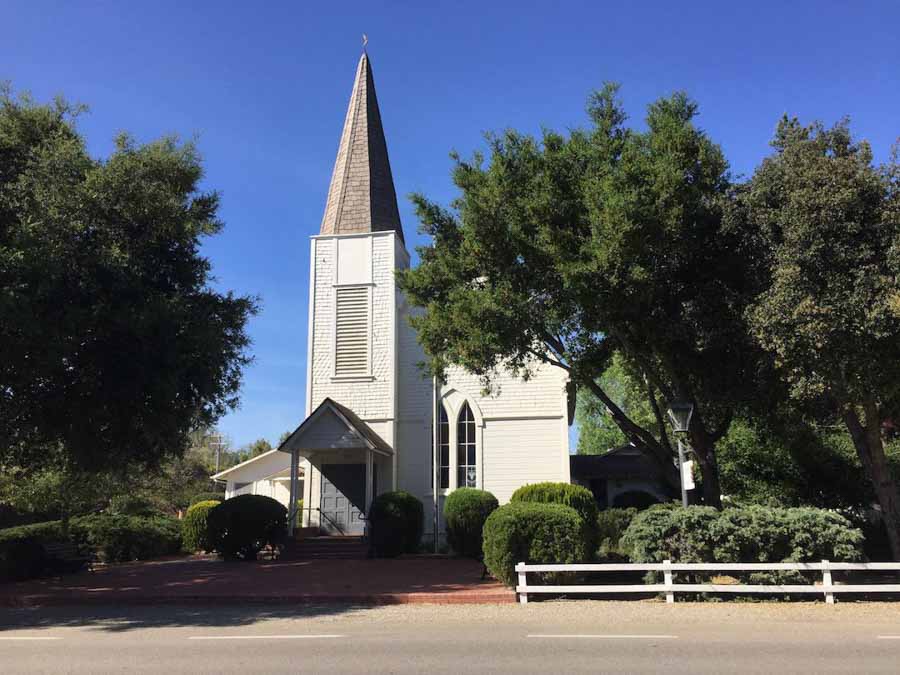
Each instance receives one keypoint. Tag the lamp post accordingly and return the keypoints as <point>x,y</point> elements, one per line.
<point>680,415</point>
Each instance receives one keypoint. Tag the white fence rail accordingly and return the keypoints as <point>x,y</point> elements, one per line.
<point>670,588</point>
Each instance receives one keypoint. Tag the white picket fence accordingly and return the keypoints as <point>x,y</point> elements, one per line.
<point>670,588</point>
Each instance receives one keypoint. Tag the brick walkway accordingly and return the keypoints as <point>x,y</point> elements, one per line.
<point>208,580</point>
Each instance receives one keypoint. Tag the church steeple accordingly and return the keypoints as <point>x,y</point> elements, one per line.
<point>361,197</point>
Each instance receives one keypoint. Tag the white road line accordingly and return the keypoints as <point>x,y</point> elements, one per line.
<point>607,637</point>
<point>889,637</point>
<point>262,637</point>
<point>27,637</point>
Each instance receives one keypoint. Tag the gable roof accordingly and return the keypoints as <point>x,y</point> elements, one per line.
<point>350,419</point>
<point>245,464</point>
<point>361,197</point>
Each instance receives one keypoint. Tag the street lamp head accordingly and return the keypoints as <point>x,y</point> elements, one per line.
<point>680,415</point>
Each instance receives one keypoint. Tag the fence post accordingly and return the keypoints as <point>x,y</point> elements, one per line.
<point>826,583</point>
<point>523,584</point>
<point>667,578</point>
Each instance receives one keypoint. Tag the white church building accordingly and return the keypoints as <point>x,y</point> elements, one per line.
<point>367,427</point>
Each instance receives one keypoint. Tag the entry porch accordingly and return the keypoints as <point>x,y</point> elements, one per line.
<point>346,464</point>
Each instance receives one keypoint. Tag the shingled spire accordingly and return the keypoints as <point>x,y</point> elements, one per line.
<point>361,197</point>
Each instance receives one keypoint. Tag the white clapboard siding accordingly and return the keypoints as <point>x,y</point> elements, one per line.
<point>352,331</point>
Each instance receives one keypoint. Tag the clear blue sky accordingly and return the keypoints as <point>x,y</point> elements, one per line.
<point>265,86</point>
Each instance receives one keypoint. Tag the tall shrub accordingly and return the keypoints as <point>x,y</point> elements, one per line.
<point>574,496</point>
<point>531,532</point>
<point>195,526</point>
<point>396,520</point>
<point>465,511</point>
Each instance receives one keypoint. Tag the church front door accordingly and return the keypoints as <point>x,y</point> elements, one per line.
<point>343,499</point>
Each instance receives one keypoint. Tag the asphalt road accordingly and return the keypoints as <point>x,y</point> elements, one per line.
<point>638,637</point>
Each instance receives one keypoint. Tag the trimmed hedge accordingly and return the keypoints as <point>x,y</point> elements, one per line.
<point>750,534</point>
<point>51,530</point>
<point>465,511</point>
<point>194,527</point>
<point>532,532</point>
<point>242,526</point>
<point>207,497</point>
<point>611,525</point>
<point>120,538</point>
<point>396,520</point>
<point>113,537</point>
<point>574,496</point>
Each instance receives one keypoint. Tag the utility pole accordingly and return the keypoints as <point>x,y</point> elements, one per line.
<point>216,443</point>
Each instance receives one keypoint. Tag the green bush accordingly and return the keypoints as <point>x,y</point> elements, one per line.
<point>574,496</point>
<point>465,511</point>
<point>532,532</point>
<point>207,497</point>
<point>113,537</point>
<point>395,524</point>
<point>51,530</point>
<point>121,538</point>
<point>611,525</point>
<point>194,527</point>
<point>749,534</point>
<point>130,505</point>
<point>638,499</point>
<point>22,559</point>
<point>242,526</point>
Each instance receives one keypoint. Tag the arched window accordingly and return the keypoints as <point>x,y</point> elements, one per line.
<point>466,473</point>
<point>443,450</point>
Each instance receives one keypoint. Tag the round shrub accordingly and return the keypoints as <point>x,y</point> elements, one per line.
<point>465,511</point>
<point>637,499</point>
<point>242,526</point>
<point>574,496</point>
<point>395,524</point>
<point>194,527</point>
<point>121,538</point>
<point>531,532</point>
<point>611,525</point>
<point>207,497</point>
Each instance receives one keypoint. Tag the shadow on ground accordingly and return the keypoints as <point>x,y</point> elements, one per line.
<point>121,619</point>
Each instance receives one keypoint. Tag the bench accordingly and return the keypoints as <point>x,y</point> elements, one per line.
<point>66,557</point>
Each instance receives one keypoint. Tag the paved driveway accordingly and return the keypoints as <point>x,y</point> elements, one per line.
<point>428,580</point>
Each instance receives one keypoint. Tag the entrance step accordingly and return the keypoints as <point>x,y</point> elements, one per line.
<point>324,547</point>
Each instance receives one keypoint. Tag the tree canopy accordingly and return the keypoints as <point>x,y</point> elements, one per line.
<point>827,221</point>
<point>571,248</point>
<point>115,344</point>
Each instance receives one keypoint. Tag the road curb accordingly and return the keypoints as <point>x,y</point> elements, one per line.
<point>55,600</point>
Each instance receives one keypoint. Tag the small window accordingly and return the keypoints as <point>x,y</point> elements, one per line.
<point>467,474</point>
<point>351,348</point>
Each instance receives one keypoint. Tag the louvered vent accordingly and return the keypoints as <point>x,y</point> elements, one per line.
<point>351,356</point>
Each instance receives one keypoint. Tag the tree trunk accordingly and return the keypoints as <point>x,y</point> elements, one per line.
<point>705,452</point>
<point>870,449</point>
